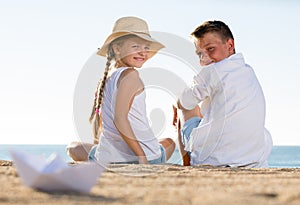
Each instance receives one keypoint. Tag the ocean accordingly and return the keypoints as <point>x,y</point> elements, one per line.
<point>281,156</point>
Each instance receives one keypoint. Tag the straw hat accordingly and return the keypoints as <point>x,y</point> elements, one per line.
<point>130,25</point>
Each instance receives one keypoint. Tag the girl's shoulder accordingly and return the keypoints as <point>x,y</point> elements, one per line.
<point>126,71</point>
<point>129,76</point>
<point>131,73</point>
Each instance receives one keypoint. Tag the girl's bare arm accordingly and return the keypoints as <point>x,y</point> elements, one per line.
<point>129,86</point>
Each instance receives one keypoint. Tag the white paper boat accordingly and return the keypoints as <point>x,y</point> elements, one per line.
<point>54,174</point>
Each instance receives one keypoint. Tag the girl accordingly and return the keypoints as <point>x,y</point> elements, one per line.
<point>119,113</point>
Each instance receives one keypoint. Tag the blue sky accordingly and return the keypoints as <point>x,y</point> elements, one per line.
<point>45,44</point>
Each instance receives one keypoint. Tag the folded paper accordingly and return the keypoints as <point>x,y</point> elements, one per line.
<point>54,174</point>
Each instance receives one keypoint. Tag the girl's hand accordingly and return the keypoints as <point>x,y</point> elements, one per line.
<point>143,160</point>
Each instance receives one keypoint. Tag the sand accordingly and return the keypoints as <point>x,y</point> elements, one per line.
<point>166,184</point>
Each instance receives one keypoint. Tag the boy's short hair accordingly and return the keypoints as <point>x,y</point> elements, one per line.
<point>213,26</point>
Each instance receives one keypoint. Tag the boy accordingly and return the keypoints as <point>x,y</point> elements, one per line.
<point>230,130</point>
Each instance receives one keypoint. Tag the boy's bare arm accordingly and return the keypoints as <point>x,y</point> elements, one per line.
<point>184,154</point>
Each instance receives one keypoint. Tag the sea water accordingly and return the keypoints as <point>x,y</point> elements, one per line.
<point>281,156</point>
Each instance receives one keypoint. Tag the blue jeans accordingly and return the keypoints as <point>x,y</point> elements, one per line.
<point>187,128</point>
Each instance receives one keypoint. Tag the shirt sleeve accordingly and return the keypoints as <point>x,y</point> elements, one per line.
<point>196,93</point>
<point>188,100</point>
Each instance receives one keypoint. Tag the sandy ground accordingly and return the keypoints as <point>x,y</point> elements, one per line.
<point>166,184</point>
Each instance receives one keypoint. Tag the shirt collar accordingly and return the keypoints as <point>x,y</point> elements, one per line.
<point>237,57</point>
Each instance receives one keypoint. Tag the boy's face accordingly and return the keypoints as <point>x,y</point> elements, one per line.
<point>212,46</point>
<point>203,57</point>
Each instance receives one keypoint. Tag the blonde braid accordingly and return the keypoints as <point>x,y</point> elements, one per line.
<point>95,117</point>
<point>95,102</point>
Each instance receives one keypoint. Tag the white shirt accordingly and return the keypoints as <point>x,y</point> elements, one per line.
<point>112,147</point>
<point>232,130</point>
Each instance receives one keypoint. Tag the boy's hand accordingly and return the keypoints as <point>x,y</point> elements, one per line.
<point>175,116</point>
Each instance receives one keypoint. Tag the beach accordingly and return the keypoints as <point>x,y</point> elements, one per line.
<point>166,184</point>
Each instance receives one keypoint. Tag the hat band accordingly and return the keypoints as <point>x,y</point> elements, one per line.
<point>137,32</point>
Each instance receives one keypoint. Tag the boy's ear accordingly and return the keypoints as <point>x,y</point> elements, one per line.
<point>230,43</point>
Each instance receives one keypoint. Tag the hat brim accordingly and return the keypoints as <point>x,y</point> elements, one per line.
<point>154,48</point>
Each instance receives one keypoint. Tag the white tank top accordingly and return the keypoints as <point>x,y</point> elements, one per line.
<point>112,147</point>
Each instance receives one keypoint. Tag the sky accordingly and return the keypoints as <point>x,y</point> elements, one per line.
<point>46,45</point>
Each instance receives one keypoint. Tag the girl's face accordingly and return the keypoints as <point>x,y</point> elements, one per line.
<point>132,52</point>
<point>213,47</point>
